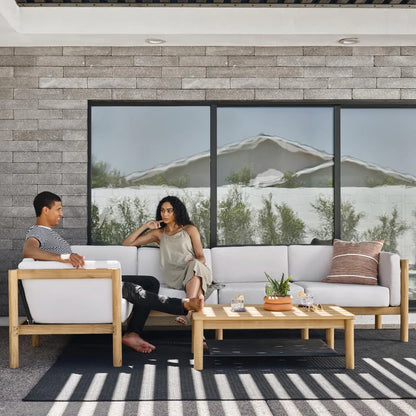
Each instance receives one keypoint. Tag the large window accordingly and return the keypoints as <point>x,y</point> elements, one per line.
<point>378,179</point>
<point>140,154</point>
<point>275,170</point>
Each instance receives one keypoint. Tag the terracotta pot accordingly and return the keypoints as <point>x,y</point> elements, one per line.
<point>278,303</point>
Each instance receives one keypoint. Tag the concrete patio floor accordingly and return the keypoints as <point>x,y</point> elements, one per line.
<point>34,362</point>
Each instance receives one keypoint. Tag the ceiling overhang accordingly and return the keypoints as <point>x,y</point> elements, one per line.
<point>217,3</point>
<point>209,26</point>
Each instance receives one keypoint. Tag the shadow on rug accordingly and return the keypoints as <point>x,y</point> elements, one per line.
<point>385,368</point>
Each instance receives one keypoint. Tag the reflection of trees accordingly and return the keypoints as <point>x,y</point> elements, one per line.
<point>242,177</point>
<point>199,211</point>
<point>281,228</point>
<point>349,220</point>
<point>102,176</point>
<point>235,220</point>
<point>240,223</point>
<point>117,220</point>
<point>390,229</point>
<point>161,179</point>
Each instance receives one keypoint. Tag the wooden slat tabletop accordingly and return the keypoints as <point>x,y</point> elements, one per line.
<point>254,312</point>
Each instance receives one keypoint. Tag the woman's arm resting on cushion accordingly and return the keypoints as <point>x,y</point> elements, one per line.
<point>137,239</point>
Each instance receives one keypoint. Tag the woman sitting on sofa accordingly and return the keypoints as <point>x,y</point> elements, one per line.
<point>182,259</point>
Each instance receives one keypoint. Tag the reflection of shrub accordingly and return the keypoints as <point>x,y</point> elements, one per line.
<point>349,220</point>
<point>325,210</point>
<point>269,222</point>
<point>382,181</point>
<point>102,176</point>
<point>389,229</point>
<point>117,221</point>
<point>200,215</point>
<point>281,228</point>
<point>242,177</point>
<point>158,180</point>
<point>235,219</point>
<point>292,229</point>
<point>291,181</point>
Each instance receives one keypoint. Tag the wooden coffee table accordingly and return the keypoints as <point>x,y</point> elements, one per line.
<point>221,317</point>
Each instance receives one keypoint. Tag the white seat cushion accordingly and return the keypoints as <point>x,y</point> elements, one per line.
<point>248,264</point>
<point>127,256</point>
<point>342,294</point>
<point>65,301</point>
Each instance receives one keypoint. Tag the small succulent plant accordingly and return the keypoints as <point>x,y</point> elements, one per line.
<point>277,288</point>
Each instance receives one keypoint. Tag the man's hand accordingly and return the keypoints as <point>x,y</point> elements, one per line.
<point>76,260</point>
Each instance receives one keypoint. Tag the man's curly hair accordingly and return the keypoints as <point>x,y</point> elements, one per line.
<point>179,209</point>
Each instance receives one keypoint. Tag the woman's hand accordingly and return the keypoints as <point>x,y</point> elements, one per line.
<point>154,225</point>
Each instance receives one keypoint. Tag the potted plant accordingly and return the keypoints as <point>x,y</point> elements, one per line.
<point>277,294</point>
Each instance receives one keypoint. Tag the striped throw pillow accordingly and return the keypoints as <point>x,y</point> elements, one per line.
<point>355,262</point>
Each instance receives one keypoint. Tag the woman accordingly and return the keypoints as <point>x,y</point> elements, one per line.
<point>182,259</point>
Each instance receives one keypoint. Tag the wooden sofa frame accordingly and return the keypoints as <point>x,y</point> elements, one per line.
<point>402,310</point>
<point>25,328</point>
<point>158,318</point>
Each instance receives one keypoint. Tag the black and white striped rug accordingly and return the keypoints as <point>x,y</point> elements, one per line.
<point>385,368</point>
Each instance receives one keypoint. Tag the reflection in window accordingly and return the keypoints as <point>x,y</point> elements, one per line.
<point>378,179</point>
<point>141,154</point>
<point>275,180</point>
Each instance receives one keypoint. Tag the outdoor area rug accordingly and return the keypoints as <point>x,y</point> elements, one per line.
<point>385,368</point>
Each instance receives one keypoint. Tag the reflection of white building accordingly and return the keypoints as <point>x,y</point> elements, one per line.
<point>273,161</point>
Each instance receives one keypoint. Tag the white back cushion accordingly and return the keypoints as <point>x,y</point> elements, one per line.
<point>71,300</point>
<point>127,256</point>
<point>148,262</point>
<point>309,263</point>
<point>248,263</point>
<point>389,275</point>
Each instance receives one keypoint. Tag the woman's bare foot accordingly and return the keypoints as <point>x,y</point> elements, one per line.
<point>134,341</point>
<point>194,304</point>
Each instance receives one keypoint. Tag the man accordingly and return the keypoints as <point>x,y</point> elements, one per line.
<point>43,243</point>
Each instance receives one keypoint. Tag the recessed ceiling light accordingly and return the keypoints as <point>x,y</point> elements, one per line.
<point>154,41</point>
<point>348,41</point>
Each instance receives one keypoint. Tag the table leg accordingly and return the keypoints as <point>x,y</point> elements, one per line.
<point>197,344</point>
<point>349,344</point>
<point>305,333</point>
<point>219,334</point>
<point>329,334</point>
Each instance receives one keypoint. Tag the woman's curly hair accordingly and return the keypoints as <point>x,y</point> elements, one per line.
<point>179,209</point>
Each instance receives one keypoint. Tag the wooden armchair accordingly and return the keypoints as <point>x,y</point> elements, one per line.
<point>78,276</point>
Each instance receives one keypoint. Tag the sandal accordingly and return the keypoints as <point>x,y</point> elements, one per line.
<point>183,320</point>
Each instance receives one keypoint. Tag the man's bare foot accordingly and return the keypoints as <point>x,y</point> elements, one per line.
<point>134,341</point>
<point>194,304</point>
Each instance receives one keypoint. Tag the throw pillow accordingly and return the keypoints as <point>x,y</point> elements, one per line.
<point>355,262</point>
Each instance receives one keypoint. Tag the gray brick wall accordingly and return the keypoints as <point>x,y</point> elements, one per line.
<point>44,93</point>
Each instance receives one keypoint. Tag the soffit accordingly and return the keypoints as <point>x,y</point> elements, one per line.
<point>70,25</point>
<point>217,3</point>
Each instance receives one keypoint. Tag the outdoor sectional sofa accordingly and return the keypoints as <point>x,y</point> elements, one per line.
<point>241,269</point>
